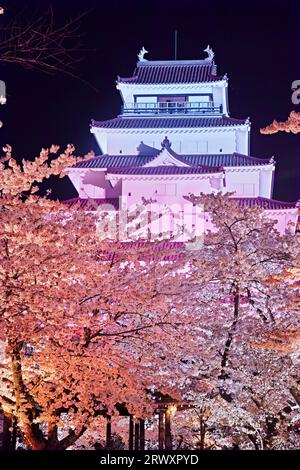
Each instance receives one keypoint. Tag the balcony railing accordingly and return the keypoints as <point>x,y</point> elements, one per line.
<point>172,107</point>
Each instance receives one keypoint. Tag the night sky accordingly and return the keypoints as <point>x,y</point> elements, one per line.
<point>256,44</point>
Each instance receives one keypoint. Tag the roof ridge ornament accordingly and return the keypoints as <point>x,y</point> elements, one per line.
<point>210,53</point>
<point>141,54</point>
<point>272,160</point>
<point>166,144</point>
<point>140,146</point>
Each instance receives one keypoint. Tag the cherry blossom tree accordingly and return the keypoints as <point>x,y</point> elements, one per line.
<point>84,336</point>
<point>79,335</point>
<point>245,303</point>
<point>292,124</point>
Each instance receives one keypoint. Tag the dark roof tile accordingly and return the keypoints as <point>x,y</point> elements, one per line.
<point>209,160</point>
<point>167,122</point>
<point>109,161</point>
<point>234,159</point>
<point>264,203</point>
<point>90,204</point>
<point>172,73</point>
<point>165,170</point>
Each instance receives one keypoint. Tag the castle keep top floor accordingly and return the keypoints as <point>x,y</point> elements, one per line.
<point>184,99</point>
<point>177,87</point>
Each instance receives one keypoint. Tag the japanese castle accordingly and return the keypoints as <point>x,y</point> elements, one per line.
<point>175,136</point>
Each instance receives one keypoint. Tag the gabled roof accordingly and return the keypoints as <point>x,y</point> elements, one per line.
<point>264,203</point>
<point>172,72</point>
<point>124,122</point>
<point>165,170</point>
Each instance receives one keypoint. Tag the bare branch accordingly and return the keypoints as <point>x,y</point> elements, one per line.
<point>41,44</point>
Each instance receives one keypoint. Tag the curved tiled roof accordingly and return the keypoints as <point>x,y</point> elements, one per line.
<point>233,159</point>
<point>110,161</point>
<point>264,203</point>
<point>164,170</point>
<point>172,73</point>
<point>167,122</point>
<point>209,160</point>
<point>90,204</point>
<point>269,204</point>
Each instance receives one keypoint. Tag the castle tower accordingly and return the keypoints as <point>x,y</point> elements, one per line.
<point>175,136</point>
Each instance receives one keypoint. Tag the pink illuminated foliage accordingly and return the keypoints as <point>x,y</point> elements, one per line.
<point>292,124</point>
<point>215,329</point>
<point>78,336</point>
<point>246,296</point>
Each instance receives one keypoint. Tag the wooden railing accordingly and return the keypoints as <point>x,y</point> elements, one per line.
<point>173,107</point>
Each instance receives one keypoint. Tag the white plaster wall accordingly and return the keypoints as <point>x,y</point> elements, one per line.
<point>218,96</point>
<point>284,218</point>
<point>94,192</point>
<point>199,141</point>
<point>265,182</point>
<point>242,144</point>
<point>221,141</point>
<point>75,179</point>
<point>242,182</point>
<point>247,182</point>
<point>101,138</point>
<point>164,191</point>
<point>102,188</point>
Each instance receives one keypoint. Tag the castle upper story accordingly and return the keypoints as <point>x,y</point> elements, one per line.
<point>184,99</point>
<point>181,87</point>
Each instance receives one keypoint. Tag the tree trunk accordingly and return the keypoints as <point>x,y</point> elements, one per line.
<point>108,433</point>
<point>136,436</point>
<point>6,433</point>
<point>52,441</point>
<point>34,440</point>
<point>161,431</point>
<point>131,433</point>
<point>13,443</point>
<point>202,433</point>
<point>225,356</point>
<point>168,435</point>
<point>142,434</point>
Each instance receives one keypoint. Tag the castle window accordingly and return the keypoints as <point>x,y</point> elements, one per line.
<point>170,104</point>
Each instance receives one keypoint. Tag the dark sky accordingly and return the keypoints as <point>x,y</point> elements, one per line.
<point>256,44</point>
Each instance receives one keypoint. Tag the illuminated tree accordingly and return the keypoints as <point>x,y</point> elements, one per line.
<point>292,124</point>
<point>247,386</point>
<point>83,334</point>
<point>79,335</point>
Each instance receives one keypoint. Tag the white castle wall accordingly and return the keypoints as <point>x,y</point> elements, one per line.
<point>167,190</point>
<point>243,181</point>
<point>213,141</point>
